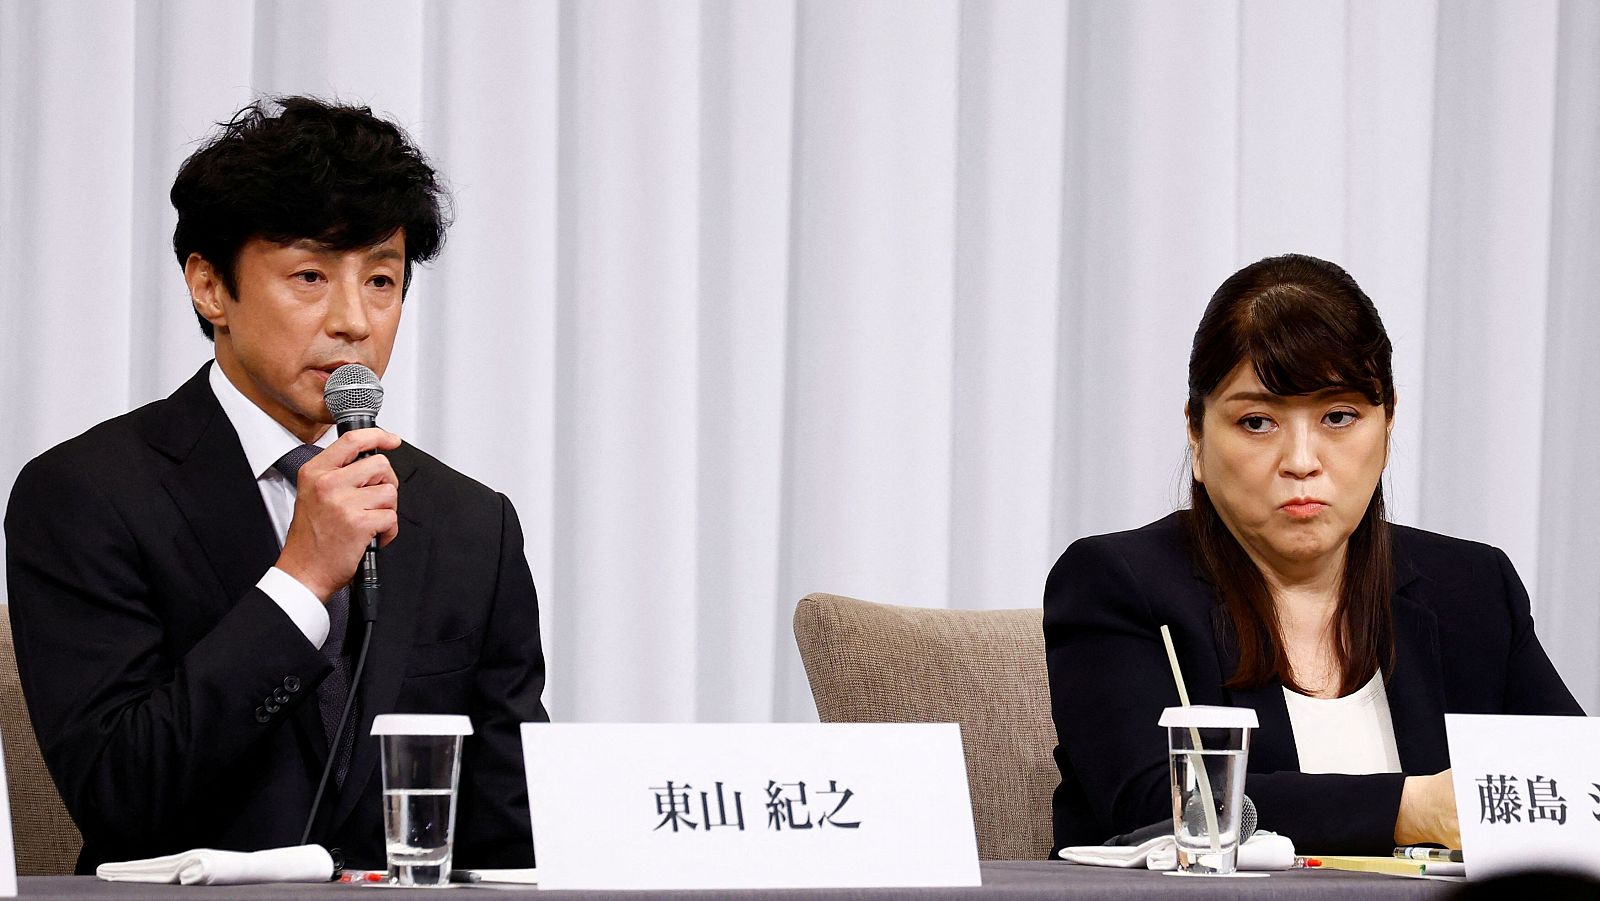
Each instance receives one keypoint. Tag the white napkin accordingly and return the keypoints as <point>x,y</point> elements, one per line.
<point>1116,855</point>
<point>204,866</point>
<point>1262,851</point>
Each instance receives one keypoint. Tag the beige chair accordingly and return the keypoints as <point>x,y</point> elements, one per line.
<point>984,669</point>
<point>47,841</point>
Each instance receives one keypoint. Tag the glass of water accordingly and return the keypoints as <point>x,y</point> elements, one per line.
<point>1207,752</point>
<point>421,769</point>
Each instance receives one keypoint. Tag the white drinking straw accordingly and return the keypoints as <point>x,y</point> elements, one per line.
<point>1196,762</point>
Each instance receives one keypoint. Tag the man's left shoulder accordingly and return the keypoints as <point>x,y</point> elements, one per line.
<point>425,479</point>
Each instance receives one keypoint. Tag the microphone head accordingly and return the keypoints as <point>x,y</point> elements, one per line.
<point>353,392</point>
<point>1247,820</point>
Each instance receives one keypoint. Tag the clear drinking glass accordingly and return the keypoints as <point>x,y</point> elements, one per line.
<point>1207,750</point>
<point>421,770</point>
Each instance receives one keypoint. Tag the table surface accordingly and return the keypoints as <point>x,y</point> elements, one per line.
<point>1007,879</point>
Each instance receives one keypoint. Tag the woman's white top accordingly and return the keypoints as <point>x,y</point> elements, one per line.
<point>1353,734</point>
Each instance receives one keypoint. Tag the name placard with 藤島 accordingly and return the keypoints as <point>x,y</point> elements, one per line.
<point>712,806</point>
<point>1527,792</point>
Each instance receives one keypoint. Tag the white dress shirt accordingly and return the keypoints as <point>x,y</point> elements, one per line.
<point>265,442</point>
<point>1353,734</point>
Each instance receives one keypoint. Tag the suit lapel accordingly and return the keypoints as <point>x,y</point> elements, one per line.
<point>1272,748</point>
<point>214,489</point>
<point>401,566</point>
<point>216,493</point>
<point>1416,691</point>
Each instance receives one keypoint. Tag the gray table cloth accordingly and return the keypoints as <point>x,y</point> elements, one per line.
<point>1008,880</point>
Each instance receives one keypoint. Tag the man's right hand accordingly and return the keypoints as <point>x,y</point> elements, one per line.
<point>342,503</point>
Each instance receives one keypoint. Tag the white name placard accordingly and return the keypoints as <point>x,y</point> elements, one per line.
<point>788,805</point>
<point>1527,791</point>
<point>8,848</point>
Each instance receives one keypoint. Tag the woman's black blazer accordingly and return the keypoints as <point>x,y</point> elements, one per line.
<point>1463,639</point>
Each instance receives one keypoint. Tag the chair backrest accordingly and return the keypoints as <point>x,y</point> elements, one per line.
<point>984,669</point>
<point>46,839</point>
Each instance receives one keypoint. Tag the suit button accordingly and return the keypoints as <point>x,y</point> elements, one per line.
<point>262,716</point>
<point>292,683</point>
<point>271,706</point>
<point>281,696</point>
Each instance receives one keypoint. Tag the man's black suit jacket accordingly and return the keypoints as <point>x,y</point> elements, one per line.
<point>1464,643</point>
<point>176,704</point>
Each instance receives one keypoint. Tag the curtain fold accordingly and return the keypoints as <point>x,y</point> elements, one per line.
<point>887,298</point>
<point>1568,565</point>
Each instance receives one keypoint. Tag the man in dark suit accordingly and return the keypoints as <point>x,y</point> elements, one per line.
<point>178,574</point>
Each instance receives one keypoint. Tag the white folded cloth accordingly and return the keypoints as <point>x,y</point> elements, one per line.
<point>1115,855</point>
<point>204,866</point>
<point>1262,851</point>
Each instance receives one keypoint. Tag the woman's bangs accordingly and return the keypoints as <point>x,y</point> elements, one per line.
<point>1296,351</point>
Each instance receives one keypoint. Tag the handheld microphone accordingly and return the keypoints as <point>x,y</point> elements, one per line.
<point>354,395</point>
<point>1247,828</point>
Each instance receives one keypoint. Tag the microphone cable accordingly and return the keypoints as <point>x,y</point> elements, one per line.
<point>354,396</point>
<point>338,733</point>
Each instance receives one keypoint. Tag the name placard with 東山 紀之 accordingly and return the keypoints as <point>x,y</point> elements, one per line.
<point>713,806</point>
<point>1527,791</point>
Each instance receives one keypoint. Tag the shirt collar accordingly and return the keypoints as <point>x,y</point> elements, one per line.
<point>264,440</point>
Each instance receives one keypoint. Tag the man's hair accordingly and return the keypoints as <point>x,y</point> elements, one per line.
<point>287,169</point>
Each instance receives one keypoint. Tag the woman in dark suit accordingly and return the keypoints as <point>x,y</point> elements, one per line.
<point>1287,591</point>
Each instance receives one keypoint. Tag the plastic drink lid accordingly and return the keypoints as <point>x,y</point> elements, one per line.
<point>421,724</point>
<point>1205,717</point>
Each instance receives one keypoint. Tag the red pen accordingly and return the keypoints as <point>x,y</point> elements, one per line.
<point>359,877</point>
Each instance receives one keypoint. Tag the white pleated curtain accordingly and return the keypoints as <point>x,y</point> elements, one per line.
<point>888,299</point>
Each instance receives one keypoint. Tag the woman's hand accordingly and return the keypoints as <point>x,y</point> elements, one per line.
<point>1428,812</point>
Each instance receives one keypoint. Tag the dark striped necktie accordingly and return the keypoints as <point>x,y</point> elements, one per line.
<point>333,691</point>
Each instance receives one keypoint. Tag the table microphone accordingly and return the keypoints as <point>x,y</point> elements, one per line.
<point>1247,828</point>
<point>354,395</point>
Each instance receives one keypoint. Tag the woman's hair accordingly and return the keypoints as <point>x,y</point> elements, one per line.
<point>290,168</point>
<point>1304,325</point>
